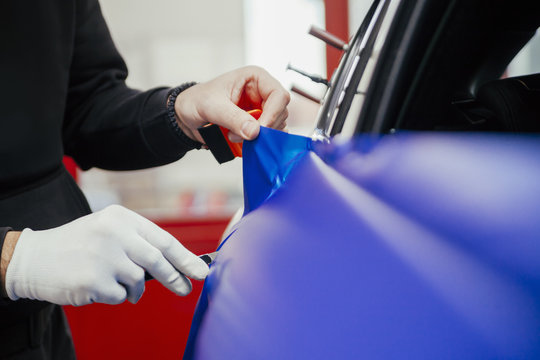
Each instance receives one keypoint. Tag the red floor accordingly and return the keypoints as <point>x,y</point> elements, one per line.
<point>156,327</point>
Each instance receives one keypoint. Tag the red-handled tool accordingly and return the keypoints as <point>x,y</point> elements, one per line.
<point>217,139</point>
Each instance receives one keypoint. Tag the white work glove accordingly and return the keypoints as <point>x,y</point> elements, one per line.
<point>99,258</point>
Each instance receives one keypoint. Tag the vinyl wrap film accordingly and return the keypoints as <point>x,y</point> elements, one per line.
<point>414,245</point>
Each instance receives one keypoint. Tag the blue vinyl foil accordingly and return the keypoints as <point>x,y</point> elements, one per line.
<point>267,161</point>
<point>412,245</point>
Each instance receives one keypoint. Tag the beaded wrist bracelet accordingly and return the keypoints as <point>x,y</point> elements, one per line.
<point>171,113</point>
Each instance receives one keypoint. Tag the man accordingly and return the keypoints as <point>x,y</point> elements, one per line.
<point>63,92</point>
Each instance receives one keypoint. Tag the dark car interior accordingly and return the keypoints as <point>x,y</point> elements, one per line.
<point>456,81</point>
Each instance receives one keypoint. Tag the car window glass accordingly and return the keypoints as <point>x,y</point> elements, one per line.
<point>333,97</point>
<point>526,61</point>
<point>362,81</point>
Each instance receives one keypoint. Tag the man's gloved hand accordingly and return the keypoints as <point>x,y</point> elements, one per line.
<point>99,258</point>
<point>215,102</point>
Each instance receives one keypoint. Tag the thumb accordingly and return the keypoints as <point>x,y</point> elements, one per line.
<point>238,121</point>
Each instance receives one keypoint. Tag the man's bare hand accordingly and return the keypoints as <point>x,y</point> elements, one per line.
<point>218,100</point>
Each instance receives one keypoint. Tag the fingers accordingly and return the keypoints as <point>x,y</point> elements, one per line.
<point>126,281</point>
<point>266,90</point>
<point>227,114</point>
<point>180,257</point>
<point>157,251</point>
<point>152,259</point>
<point>111,292</point>
<point>281,121</point>
<point>216,102</point>
<point>131,276</point>
<point>166,244</point>
<point>245,127</point>
<point>164,257</point>
<point>279,124</point>
<point>235,138</point>
<point>275,110</point>
<point>211,103</point>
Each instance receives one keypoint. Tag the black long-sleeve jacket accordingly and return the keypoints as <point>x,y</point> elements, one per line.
<point>62,91</point>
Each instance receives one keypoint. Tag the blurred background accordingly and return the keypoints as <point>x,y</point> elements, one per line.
<point>168,42</point>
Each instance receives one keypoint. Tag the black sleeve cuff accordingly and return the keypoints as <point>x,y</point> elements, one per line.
<point>161,132</point>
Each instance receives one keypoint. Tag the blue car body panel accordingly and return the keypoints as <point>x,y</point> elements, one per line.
<point>404,246</point>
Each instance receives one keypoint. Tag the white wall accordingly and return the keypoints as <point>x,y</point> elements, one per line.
<point>357,12</point>
<point>172,41</point>
<point>168,42</point>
